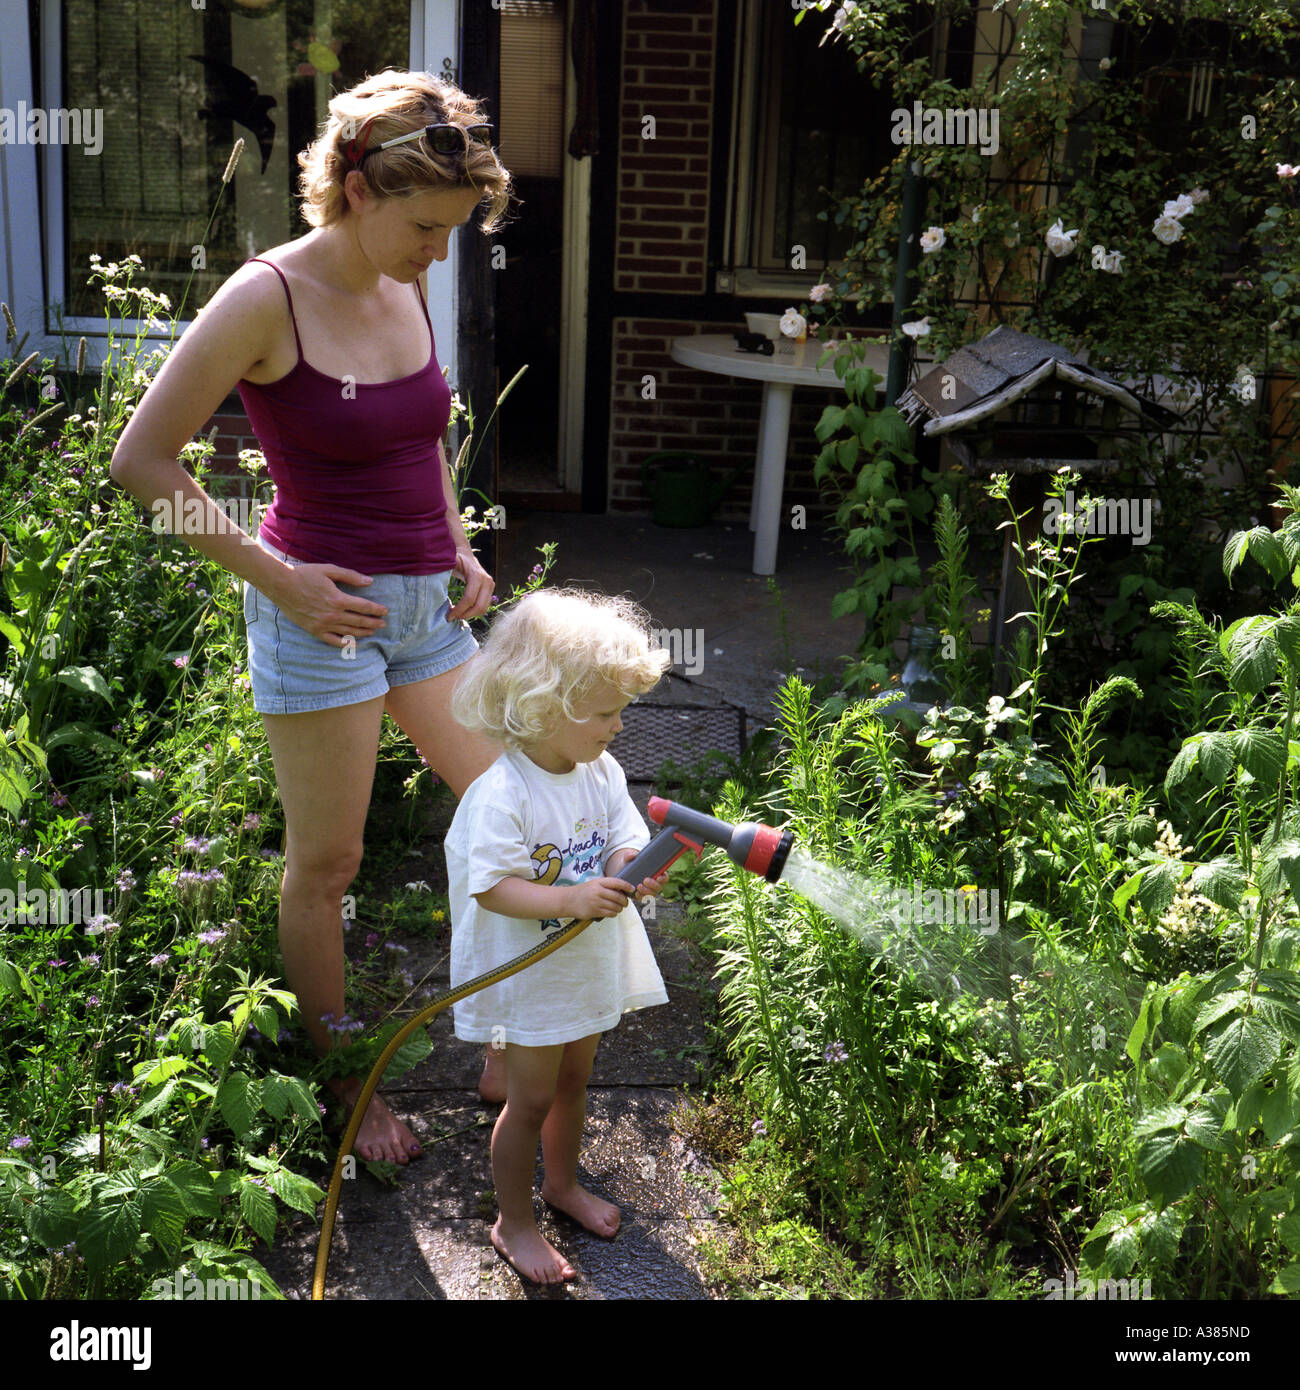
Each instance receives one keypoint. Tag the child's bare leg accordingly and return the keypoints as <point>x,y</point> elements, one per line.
<point>530,1079</point>
<point>492,1083</point>
<point>562,1138</point>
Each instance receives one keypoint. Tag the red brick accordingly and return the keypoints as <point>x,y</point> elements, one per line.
<point>647,155</point>
<point>674,180</point>
<point>661,107</point>
<point>668,284</point>
<point>669,248</point>
<point>680,26</point>
<point>691,266</point>
<point>677,96</point>
<point>635,197</point>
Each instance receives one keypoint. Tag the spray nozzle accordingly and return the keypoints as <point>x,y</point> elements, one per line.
<point>758,848</point>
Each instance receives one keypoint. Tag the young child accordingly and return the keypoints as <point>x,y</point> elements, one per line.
<point>536,841</point>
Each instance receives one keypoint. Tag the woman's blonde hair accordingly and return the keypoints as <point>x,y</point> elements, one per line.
<point>390,104</point>
<point>545,656</point>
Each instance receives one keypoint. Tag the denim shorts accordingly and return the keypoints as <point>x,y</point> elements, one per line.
<point>293,672</point>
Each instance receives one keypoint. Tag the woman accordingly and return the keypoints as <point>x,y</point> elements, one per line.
<point>328,340</point>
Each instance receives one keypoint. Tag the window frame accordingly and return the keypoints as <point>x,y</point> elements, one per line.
<point>32,231</point>
<point>754,128</point>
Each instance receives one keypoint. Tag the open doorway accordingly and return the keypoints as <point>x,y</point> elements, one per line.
<point>531,290</point>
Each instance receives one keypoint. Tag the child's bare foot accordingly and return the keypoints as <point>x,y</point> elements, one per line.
<point>600,1217</point>
<point>531,1254</point>
<point>382,1135</point>
<point>492,1084</point>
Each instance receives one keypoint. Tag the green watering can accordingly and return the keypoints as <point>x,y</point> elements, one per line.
<point>682,488</point>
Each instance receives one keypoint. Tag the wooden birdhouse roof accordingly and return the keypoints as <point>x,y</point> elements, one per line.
<point>982,378</point>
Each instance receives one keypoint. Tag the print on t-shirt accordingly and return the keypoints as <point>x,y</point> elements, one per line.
<point>578,860</point>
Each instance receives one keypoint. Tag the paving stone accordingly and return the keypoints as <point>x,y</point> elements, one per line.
<point>428,1236</point>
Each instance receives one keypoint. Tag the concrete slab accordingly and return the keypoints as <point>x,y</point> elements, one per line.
<point>428,1236</point>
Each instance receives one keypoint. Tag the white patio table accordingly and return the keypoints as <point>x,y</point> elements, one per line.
<point>792,364</point>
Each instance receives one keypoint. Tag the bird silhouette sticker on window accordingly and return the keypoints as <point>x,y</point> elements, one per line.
<point>235,98</point>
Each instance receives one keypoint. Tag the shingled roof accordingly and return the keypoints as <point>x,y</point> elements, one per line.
<point>1004,365</point>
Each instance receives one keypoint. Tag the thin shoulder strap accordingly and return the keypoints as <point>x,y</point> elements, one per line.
<point>425,307</point>
<point>292,317</point>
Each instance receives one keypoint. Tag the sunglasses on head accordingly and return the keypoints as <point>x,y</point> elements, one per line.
<point>443,138</point>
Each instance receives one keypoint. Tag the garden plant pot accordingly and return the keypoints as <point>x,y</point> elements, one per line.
<point>682,489</point>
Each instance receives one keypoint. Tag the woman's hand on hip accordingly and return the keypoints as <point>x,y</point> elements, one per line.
<point>310,597</point>
<point>477,598</point>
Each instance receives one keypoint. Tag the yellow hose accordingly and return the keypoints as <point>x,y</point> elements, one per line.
<point>448,996</point>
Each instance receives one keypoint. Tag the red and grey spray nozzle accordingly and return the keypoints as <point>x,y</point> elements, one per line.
<point>758,848</point>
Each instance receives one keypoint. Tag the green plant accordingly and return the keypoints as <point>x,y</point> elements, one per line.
<point>862,449</point>
<point>950,604</point>
<point>1218,1139</point>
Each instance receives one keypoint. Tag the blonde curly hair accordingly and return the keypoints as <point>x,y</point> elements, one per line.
<point>384,106</point>
<point>545,656</point>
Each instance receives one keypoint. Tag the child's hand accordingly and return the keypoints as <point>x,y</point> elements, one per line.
<point>599,897</point>
<point>648,887</point>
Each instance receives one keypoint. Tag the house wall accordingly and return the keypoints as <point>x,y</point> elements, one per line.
<point>662,227</point>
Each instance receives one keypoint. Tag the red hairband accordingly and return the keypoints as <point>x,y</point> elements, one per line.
<point>354,150</point>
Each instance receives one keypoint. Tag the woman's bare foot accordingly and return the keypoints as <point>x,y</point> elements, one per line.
<point>600,1217</point>
<point>492,1084</point>
<point>531,1254</point>
<point>382,1136</point>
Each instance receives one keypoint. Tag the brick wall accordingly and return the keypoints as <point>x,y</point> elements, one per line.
<point>712,415</point>
<point>663,183</point>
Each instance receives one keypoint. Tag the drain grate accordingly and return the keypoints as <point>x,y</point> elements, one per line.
<point>652,734</point>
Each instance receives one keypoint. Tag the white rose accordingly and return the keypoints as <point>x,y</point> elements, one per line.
<point>1104,64</point>
<point>1167,229</point>
<point>793,324</point>
<point>932,239</point>
<point>818,293</point>
<point>1178,207</point>
<point>918,328</point>
<point>1288,171</point>
<point>1198,195</point>
<point>1059,241</point>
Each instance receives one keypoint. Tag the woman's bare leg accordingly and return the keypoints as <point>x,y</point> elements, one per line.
<point>422,712</point>
<point>325,771</point>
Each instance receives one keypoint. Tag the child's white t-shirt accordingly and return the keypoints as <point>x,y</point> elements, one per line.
<point>518,820</point>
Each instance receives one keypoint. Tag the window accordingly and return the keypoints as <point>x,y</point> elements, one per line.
<point>808,129</point>
<point>177,86</point>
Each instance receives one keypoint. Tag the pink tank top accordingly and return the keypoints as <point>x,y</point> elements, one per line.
<point>355,466</point>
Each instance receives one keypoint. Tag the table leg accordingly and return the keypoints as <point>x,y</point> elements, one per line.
<point>770,472</point>
<point>756,493</point>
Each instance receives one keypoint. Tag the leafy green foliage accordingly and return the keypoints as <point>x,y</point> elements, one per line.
<point>153,1119</point>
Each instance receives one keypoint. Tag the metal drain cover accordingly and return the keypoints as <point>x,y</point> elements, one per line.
<point>653,734</point>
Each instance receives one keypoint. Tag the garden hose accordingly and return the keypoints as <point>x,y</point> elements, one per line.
<point>757,848</point>
<point>441,1001</point>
